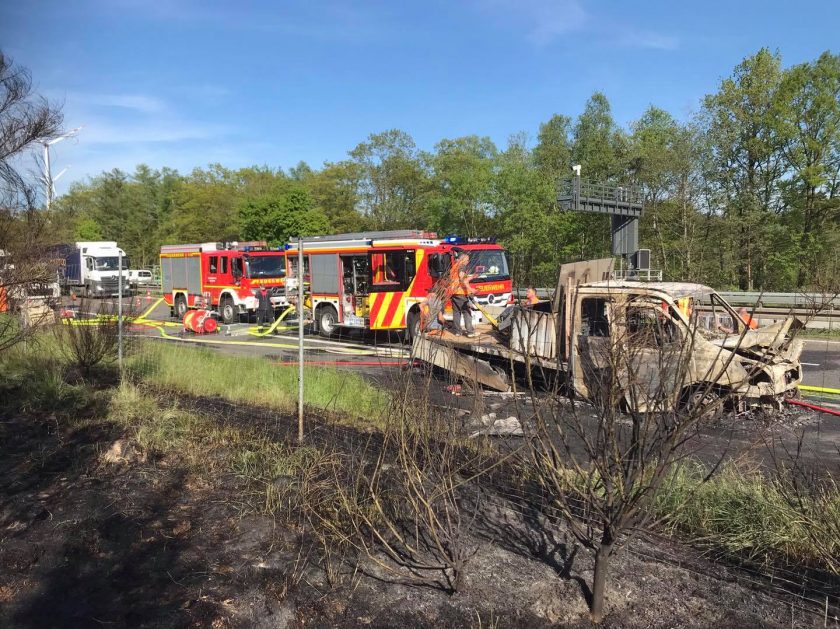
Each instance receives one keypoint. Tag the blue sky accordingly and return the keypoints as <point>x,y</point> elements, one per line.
<point>186,83</point>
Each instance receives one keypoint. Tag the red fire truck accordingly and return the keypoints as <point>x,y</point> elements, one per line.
<point>375,280</point>
<point>225,277</point>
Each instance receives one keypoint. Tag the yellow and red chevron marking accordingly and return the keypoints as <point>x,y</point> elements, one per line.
<point>387,311</point>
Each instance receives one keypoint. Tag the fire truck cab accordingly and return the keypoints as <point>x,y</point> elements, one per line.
<point>376,280</point>
<point>225,277</point>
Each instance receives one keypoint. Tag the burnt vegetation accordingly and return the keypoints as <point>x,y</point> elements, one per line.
<point>149,503</point>
<point>419,509</point>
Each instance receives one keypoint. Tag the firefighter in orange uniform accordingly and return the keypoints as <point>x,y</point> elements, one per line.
<point>747,318</point>
<point>460,289</point>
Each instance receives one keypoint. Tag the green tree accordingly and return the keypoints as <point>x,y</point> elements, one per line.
<point>811,129</point>
<point>392,183</point>
<point>87,229</point>
<point>553,153</point>
<point>527,220</point>
<point>255,181</point>
<point>664,158</point>
<point>70,210</point>
<point>334,191</point>
<point>599,146</point>
<point>204,207</point>
<point>743,123</point>
<point>148,200</point>
<point>277,218</point>
<point>130,209</point>
<point>462,182</point>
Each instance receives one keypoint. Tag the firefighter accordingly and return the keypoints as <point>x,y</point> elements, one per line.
<point>747,318</point>
<point>459,286</point>
<point>431,313</point>
<point>264,313</point>
<point>531,298</point>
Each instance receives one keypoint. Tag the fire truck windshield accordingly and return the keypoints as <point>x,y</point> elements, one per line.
<point>488,264</point>
<point>265,266</point>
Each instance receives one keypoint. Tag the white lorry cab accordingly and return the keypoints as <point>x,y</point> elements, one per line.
<point>92,268</point>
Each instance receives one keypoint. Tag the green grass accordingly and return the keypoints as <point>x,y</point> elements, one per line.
<point>36,379</point>
<point>33,380</point>
<point>254,380</point>
<point>820,333</point>
<point>747,513</point>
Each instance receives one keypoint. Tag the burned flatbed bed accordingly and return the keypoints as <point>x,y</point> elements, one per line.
<point>473,358</point>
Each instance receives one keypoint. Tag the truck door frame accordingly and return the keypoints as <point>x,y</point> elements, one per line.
<point>588,356</point>
<point>658,353</point>
<point>387,298</point>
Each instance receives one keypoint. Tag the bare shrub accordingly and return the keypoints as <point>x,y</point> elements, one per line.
<point>603,465</point>
<point>87,343</point>
<point>406,499</point>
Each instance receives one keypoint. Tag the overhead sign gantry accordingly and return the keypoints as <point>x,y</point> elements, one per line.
<point>624,205</point>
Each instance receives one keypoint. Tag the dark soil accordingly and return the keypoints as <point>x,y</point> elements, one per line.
<point>85,542</point>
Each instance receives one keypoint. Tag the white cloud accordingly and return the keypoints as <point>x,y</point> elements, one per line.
<point>88,160</point>
<point>646,39</point>
<point>546,22</point>
<point>123,129</point>
<point>542,20</point>
<point>142,103</point>
<point>553,19</point>
<point>101,131</point>
<point>137,102</point>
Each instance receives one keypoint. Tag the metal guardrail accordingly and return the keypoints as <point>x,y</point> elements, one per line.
<point>799,301</point>
<point>795,300</point>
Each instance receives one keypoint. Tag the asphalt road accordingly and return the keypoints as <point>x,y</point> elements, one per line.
<point>385,360</point>
<point>821,363</point>
<point>820,358</point>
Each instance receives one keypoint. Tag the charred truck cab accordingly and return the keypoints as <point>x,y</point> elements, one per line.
<point>225,277</point>
<point>678,338</point>
<point>376,280</point>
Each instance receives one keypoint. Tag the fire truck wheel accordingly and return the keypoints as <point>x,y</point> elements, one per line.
<point>227,310</point>
<point>412,328</point>
<point>327,320</point>
<point>180,306</point>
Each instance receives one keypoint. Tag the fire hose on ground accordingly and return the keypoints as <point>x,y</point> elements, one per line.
<point>260,332</point>
<point>813,407</point>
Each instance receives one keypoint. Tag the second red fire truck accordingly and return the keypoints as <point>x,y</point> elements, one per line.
<point>225,277</point>
<point>376,280</point>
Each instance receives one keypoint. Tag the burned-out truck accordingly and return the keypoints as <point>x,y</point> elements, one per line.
<point>663,344</point>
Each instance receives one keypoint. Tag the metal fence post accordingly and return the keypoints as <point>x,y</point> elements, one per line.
<point>119,310</point>
<point>300,339</point>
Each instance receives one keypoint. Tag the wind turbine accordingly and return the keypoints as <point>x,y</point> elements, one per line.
<point>49,182</point>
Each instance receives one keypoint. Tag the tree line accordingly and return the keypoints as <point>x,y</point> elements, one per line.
<point>743,194</point>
